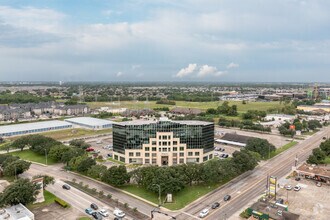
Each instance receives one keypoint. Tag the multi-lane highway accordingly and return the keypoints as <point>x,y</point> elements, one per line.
<point>253,184</point>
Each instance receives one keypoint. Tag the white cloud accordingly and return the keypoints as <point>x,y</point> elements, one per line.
<point>232,65</point>
<point>119,74</point>
<point>207,70</point>
<point>135,67</point>
<point>187,71</point>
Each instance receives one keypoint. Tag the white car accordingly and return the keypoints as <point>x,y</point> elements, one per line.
<point>204,213</point>
<point>288,187</point>
<point>297,188</point>
<point>104,213</point>
<point>118,213</point>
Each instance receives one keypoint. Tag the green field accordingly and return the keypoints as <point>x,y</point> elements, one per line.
<point>199,105</point>
<point>327,160</point>
<point>181,199</point>
<point>283,148</point>
<point>72,133</point>
<point>33,157</point>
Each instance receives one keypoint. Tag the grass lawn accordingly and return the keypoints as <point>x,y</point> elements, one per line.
<point>181,199</point>
<point>116,161</point>
<point>32,156</point>
<point>84,218</point>
<point>200,105</point>
<point>327,160</point>
<point>283,148</point>
<point>49,199</point>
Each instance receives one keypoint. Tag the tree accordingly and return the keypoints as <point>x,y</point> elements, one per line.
<point>96,171</point>
<point>325,147</point>
<point>71,153</point>
<point>211,111</point>
<point>116,176</point>
<point>47,180</point>
<point>232,111</point>
<point>85,164</point>
<point>261,146</point>
<point>21,191</point>
<point>56,152</point>
<point>80,144</point>
<point>244,161</point>
<point>314,124</point>
<point>16,167</point>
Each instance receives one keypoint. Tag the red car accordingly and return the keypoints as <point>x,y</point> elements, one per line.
<point>89,149</point>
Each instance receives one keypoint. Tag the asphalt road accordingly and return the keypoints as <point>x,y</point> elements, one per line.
<point>59,174</point>
<point>252,184</point>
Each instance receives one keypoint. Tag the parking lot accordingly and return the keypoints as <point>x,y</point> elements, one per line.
<point>311,202</point>
<point>276,140</point>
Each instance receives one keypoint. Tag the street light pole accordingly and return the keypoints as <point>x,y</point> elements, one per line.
<point>159,192</point>
<point>46,156</point>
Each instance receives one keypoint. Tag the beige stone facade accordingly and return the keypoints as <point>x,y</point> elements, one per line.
<point>164,150</point>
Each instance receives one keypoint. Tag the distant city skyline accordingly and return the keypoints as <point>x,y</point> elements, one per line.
<point>163,40</point>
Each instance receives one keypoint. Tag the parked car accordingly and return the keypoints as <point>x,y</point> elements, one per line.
<point>297,188</point>
<point>288,187</point>
<point>280,201</point>
<point>89,211</point>
<point>89,149</point>
<point>104,213</point>
<point>227,198</point>
<point>94,206</point>
<point>297,179</point>
<point>226,156</point>
<point>109,155</point>
<point>222,149</point>
<point>215,205</point>
<point>97,216</point>
<point>119,213</point>
<point>203,213</point>
<point>319,184</point>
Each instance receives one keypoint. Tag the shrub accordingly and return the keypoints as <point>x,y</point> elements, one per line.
<point>61,202</point>
<point>134,209</point>
<point>126,205</point>
<point>109,196</point>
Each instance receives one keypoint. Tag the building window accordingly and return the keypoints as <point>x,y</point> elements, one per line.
<point>159,137</point>
<point>159,143</point>
<point>175,161</point>
<point>160,149</point>
<point>175,149</point>
<point>164,149</point>
<point>146,154</point>
<point>210,156</point>
<point>164,137</point>
<point>147,149</point>
<point>169,137</point>
<point>116,157</point>
<point>190,153</point>
<point>131,154</point>
<point>196,153</point>
<point>181,160</point>
<point>164,143</point>
<point>181,148</point>
<point>197,160</point>
<point>138,154</point>
<point>154,149</point>
<point>175,143</point>
<point>154,161</point>
<point>204,158</point>
<point>147,161</point>
<point>169,143</point>
<point>154,155</point>
<point>181,154</point>
<point>175,154</point>
<point>153,142</point>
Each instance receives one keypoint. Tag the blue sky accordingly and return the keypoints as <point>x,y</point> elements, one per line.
<point>163,40</point>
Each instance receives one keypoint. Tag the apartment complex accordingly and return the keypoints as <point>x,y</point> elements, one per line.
<point>163,142</point>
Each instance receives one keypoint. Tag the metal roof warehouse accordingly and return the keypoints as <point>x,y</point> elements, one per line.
<point>35,127</point>
<point>89,122</point>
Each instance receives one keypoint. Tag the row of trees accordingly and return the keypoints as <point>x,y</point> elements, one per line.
<point>260,146</point>
<point>303,125</point>
<point>175,178</point>
<point>254,115</point>
<point>245,124</point>
<point>21,97</point>
<point>319,154</point>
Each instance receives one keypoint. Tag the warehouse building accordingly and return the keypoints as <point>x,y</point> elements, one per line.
<point>163,142</point>
<point>91,123</point>
<point>35,127</point>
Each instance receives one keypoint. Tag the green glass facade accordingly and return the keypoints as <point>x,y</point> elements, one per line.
<point>197,135</point>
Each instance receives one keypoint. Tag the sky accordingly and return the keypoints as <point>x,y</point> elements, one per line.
<point>165,40</point>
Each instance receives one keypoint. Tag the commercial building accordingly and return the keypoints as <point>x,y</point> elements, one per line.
<point>233,139</point>
<point>30,128</point>
<point>91,123</point>
<point>319,173</point>
<point>16,212</point>
<point>163,142</point>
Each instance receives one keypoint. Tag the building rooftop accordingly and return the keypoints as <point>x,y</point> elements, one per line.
<point>31,126</point>
<point>271,210</point>
<point>147,122</point>
<point>16,212</point>
<point>89,121</point>
<point>235,138</point>
<point>320,170</point>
